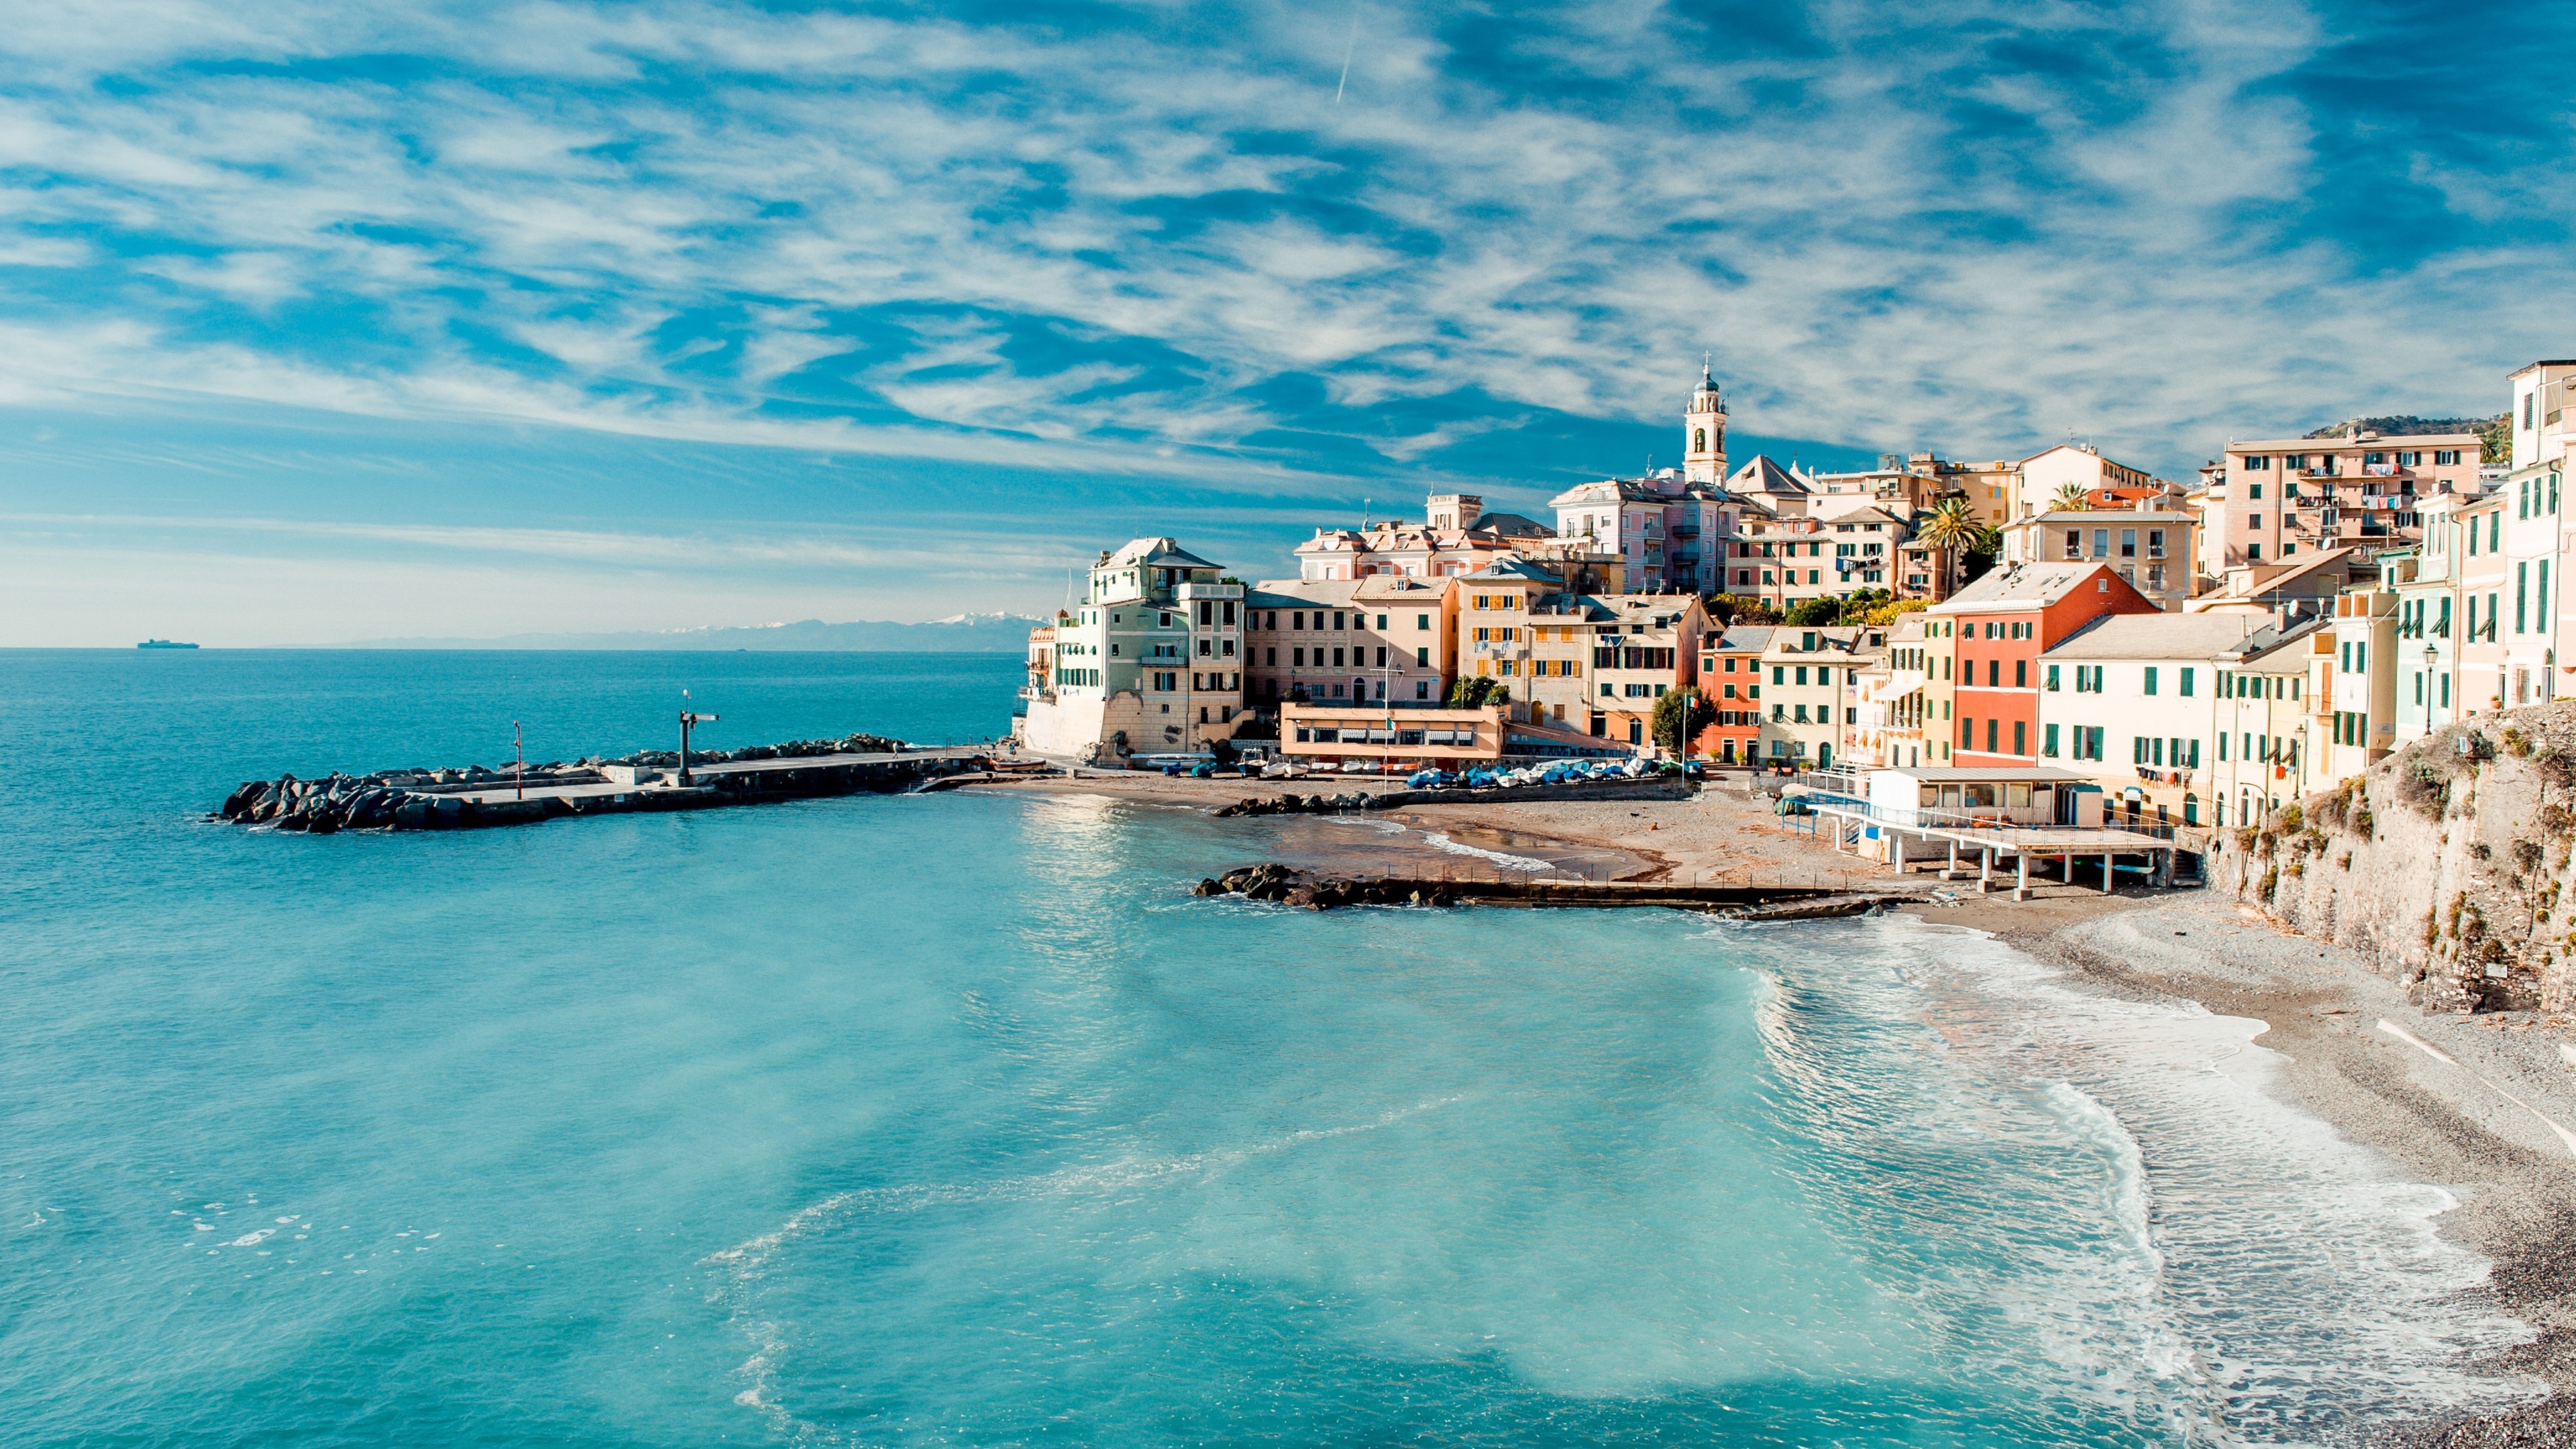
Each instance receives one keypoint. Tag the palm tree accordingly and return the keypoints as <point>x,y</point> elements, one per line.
<point>2070,498</point>
<point>1952,526</point>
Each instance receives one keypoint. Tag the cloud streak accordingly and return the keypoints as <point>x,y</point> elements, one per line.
<point>1225,248</point>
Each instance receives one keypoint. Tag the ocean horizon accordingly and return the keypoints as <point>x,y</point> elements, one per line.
<point>956,1120</point>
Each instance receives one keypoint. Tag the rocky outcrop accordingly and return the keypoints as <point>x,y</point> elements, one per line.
<point>1295,804</point>
<point>2446,864</point>
<point>1652,787</point>
<point>1271,881</point>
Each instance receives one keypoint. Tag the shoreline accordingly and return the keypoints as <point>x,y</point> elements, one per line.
<point>2486,1120</point>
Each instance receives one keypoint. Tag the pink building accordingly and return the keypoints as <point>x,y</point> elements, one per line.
<point>2273,500</point>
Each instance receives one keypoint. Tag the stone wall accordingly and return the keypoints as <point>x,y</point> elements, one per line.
<point>2444,865</point>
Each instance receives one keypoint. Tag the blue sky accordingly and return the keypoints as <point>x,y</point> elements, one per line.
<point>325,321</point>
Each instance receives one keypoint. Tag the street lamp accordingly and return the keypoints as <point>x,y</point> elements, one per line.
<point>686,721</point>
<point>2432,656</point>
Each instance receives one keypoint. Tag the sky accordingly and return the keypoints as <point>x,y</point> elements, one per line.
<point>333,321</point>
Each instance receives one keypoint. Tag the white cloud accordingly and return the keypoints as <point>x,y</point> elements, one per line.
<point>1869,268</point>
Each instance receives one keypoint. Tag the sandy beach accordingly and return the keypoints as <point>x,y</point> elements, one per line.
<point>2483,1106</point>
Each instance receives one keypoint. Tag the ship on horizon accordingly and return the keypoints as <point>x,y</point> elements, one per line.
<point>163,644</point>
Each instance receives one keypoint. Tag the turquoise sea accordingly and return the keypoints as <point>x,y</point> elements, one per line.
<point>954,1120</point>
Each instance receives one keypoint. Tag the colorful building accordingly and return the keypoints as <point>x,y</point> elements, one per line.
<point>1150,662</point>
<point>1730,674</point>
<point>2003,623</point>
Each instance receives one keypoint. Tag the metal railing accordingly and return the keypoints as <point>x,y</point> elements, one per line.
<point>1963,819</point>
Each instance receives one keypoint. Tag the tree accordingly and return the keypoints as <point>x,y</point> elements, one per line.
<point>2495,440</point>
<point>1816,613</point>
<point>1669,721</point>
<point>1885,615</point>
<point>1475,691</point>
<point>2071,497</point>
<point>1952,527</point>
<point>1728,610</point>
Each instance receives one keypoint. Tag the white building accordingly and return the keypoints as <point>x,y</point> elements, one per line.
<point>1150,662</point>
<point>2130,701</point>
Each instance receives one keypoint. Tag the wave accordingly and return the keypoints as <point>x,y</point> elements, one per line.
<point>743,1266</point>
<point>1442,842</point>
<point>2217,1261</point>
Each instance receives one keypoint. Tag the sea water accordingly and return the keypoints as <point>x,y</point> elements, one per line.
<point>955,1120</point>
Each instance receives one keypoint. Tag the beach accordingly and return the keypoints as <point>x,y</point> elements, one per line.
<point>2472,1104</point>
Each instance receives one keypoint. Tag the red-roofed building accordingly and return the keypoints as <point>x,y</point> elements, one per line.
<point>1992,633</point>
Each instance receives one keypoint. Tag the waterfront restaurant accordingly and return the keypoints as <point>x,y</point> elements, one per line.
<point>2021,795</point>
<point>1411,737</point>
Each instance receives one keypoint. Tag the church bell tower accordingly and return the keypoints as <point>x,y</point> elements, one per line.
<point>1704,432</point>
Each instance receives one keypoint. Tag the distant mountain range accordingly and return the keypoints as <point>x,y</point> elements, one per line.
<point>960,633</point>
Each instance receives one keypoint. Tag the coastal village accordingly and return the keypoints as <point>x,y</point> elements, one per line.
<point>2165,653</point>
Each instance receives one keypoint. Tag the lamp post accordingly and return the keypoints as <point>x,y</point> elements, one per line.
<point>687,720</point>
<point>519,756</point>
<point>2432,656</point>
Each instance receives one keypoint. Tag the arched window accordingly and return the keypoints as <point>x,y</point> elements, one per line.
<point>1699,440</point>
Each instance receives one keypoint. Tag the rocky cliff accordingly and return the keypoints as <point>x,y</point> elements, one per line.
<point>2444,865</point>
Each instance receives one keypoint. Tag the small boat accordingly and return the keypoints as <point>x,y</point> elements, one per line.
<point>163,644</point>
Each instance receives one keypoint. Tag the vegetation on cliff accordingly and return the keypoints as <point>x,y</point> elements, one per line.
<point>2445,864</point>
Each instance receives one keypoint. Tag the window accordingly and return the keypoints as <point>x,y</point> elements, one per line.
<point>2150,687</point>
<point>2257,463</point>
<point>2021,738</point>
<point>2052,686</point>
<point>2021,678</point>
<point>2048,740</point>
<point>1422,621</point>
<point>2254,490</point>
<point>2185,682</point>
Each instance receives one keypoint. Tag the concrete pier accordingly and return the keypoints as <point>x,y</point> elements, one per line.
<point>421,800</point>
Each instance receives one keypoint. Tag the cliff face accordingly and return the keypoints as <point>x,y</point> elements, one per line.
<point>2444,865</point>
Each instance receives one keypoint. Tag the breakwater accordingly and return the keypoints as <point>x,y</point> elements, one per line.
<point>1657,787</point>
<point>1289,886</point>
<point>474,797</point>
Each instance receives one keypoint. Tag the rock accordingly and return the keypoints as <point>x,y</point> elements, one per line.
<point>1205,888</point>
<point>323,825</point>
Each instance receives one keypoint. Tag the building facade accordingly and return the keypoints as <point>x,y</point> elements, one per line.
<point>1150,662</point>
<point>1730,674</point>
<point>2152,549</point>
<point>2004,622</point>
<point>2275,499</point>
